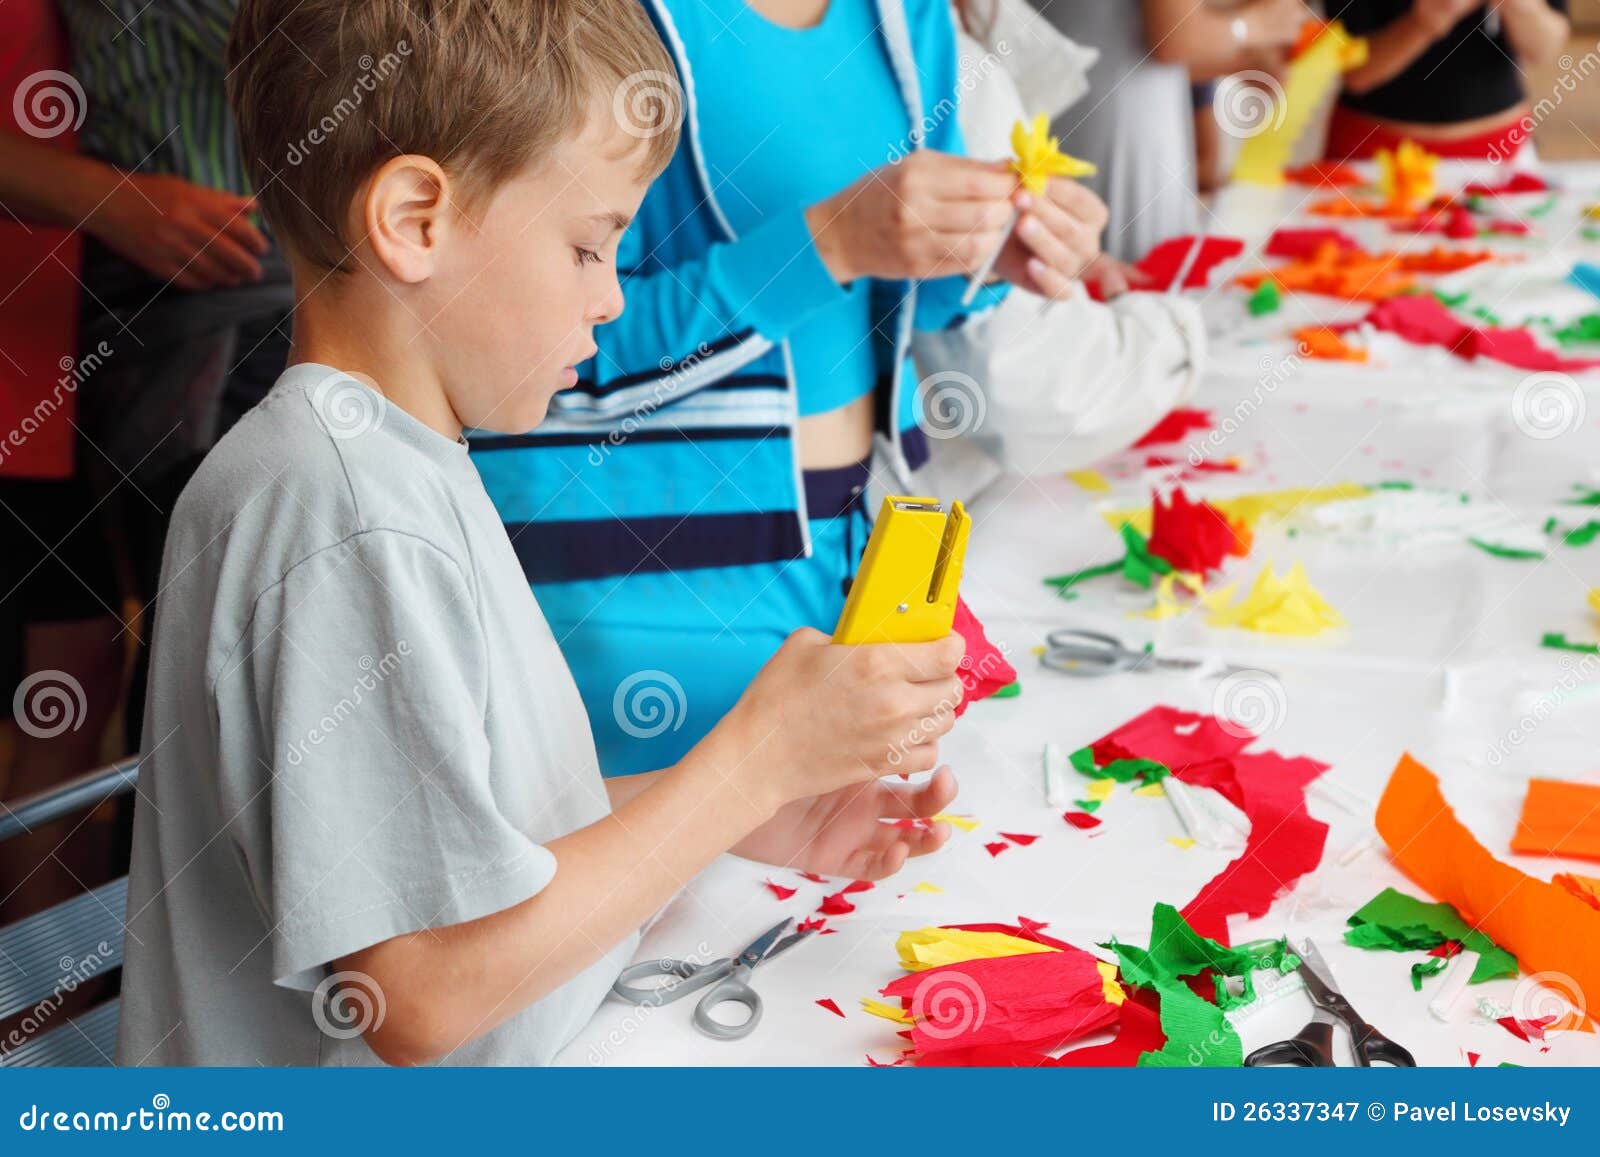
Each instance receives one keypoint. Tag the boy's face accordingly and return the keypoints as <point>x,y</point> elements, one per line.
<point>516,299</point>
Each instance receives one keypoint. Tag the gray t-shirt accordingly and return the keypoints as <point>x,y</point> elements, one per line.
<point>359,725</point>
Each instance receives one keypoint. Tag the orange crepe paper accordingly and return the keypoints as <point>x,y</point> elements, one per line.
<point>1559,819</point>
<point>1318,341</point>
<point>1585,888</point>
<point>1349,272</point>
<point>1545,926</point>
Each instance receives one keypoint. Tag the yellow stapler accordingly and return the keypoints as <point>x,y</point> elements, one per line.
<point>905,589</point>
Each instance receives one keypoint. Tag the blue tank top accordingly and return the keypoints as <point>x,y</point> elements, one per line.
<point>790,116</point>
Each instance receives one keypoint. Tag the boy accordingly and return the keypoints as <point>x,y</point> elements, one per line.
<point>371,823</point>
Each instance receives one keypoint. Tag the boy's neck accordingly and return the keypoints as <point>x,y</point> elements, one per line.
<point>333,328</point>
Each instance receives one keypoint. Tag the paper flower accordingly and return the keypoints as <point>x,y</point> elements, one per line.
<point>1280,606</point>
<point>1406,175</point>
<point>1039,156</point>
<point>1194,536</point>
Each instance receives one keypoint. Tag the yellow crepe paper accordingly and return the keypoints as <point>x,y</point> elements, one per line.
<point>887,1011</point>
<point>1594,600</point>
<point>1100,789</point>
<point>1150,790</point>
<point>1090,480</point>
<point>1250,508</point>
<point>1183,842</point>
<point>965,823</point>
<point>932,947</point>
<point>1312,76</point>
<point>1289,605</point>
<point>1039,156</point>
<point>927,887</point>
<point>1406,175</point>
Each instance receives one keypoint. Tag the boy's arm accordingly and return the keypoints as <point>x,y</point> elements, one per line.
<point>446,986</point>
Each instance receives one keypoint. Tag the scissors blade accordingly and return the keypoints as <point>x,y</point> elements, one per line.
<point>1319,979</point>
<point>787,943</point>
<point>757,949</point>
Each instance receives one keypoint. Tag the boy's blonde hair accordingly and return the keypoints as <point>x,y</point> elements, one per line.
<point>325,91</point>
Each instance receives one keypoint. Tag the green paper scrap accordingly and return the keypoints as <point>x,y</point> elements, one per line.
<point>1430,967</point>
<point>1587,496</point>
<point>1400,923</point>
<point>1505,551</point>
<point>1543,207</point>
<point>1088,805</point>
<point>1579,331</point>
<point>1487,315</point>
<point>1010,691</point>
<point>1267,298</point>
<point>1064,582</point>
<point>1397,485</point>
<point>1558,641</point>
<point>1198,1033</point>
<point>1127,770</point>
<point>1582,535</point>
<point>1450,300</point>
<point>1139,565</point>
<point>1591,233</point>
<point>1082,761</point>
<point>1550,524</point>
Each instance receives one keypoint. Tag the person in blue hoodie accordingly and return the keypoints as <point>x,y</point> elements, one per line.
<point>698,493</point>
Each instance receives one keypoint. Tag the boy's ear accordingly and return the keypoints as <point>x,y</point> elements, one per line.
<point>405,214</point>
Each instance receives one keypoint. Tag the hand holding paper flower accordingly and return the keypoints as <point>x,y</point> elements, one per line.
<point>1039,156</point>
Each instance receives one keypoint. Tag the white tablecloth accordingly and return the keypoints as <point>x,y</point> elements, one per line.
<point>1440,657</point>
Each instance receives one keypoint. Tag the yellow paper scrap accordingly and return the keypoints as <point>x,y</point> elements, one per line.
<point>1280,606</point>
<point>1167,603</point>
<point>1039,650</point>
<point>1406,175</point>
<point>1594,600</point>
<point>1109,985</point>
<point>1312,77</point>
<point>1100,789</point>
<point>1151,791</point>
<point>887,1011</point>
<point>1592,211</point>
<point>927,887</point>
<point>1039,156</point>
<point>930,947</point>
<point>965,823</point>
<point>1183,842</point>
<point>1251,508</point>
<point>1090,480</point>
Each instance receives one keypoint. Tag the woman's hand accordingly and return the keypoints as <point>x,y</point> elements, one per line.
<point>185,234</point>
<point>840,833</point>
<point>1056,239</point>
<point>1113,277</point>
<point>1272,24</point>
<point>929,214</point>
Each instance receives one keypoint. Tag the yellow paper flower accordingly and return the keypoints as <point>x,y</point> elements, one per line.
<point>1289,605</point>
<point>1039,156</point>
<point>1405,176</point>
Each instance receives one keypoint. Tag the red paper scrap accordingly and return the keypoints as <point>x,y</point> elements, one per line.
<point>1523,182</point>
<point>1302,244</point>
<point>983,670</point>
<point>1334,174</point>
<point>857,886</point>
<point>1452,220</point>
<point>1162,264</point>
<point>1207,466</point>
<point>779,890</point>
<point>1423,320</point>
<point>886,1064</point>
<point>1446,950</point>
<point>997,847</point>
<point>1175,426</point>
<point>827,1003</point>
<point>813,877</point>
<point>811,924</point>
<point>1528,1030</point>
<point>1194,536</point>
<point>836,905</point>
<point>1083,821</point>
<point>1019,838</point>
<point>1473,1058</point>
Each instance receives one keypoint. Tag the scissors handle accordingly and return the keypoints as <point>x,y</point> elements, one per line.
<point>1371,1045</point>
<point>733,990</point>
<point>1310,1048</point>
<point>689,978</point>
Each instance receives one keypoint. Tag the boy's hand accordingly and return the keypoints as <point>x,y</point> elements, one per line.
<point>840,834</point>
<point>820,716</point>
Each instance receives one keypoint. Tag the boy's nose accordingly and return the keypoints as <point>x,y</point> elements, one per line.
<point>609,307</point>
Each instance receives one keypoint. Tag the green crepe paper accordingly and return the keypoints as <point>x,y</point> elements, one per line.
<point>1581,535</point>
<point>1543,207</point>
<point>1010,691</point>
<point>1558,641</point>
<point>1402,923</point>
<point>1587,496</point>
<point>1064,582</point>
<point>1125,770</point>
<point>1198,1034</point>
<point>1486,315</point>
<point>1139,565</point>
<point>1082,761</point>
<point>1088,805</point>
<point>1504,551</point>
<point>1431,967</point>
<point>1579,331</point>
<point>1591,233</point>
<point>1267,298</point>
<point>1398,485</point>
<point>1450,300</point>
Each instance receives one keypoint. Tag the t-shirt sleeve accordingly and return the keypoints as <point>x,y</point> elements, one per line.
<point>360,763</point>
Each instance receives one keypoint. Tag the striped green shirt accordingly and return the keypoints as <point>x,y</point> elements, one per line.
<point>153,74</point>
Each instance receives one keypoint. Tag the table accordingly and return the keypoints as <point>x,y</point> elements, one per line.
<point>1440,657</point>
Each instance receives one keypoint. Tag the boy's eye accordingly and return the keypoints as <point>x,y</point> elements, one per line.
<point>587,256</point>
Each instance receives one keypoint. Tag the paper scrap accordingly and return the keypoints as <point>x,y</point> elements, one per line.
<point>1559,818</point>
<point>997,847</point>
<point>1289,605</point>
<point>1083,821</point>
<point>779,890</point>
<point>1090,480</point>
<point>1397,922</point>
<point>1313,74</point>
<point>965,823</point>
<point>828,1003</point>
<point>1183,842</point>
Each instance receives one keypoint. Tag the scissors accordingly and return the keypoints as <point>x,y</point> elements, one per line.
<point>732,972</point>
<point>1091,654</point>
<point>1312,1047</point>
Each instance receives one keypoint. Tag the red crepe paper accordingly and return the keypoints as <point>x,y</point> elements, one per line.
<point>1423,320</point>
<point>836,905</point>
<point>1139,1031</point>
<point>1194,536</point>
<point>1511,228</point>
<point>1451,220</point>
<point>1161,264</point>
<point>1284,842</point>
<point>1083,821</point>
<point>1446,950</point>
<point>1334,174</point>
<point>1516,183</point>
<point>779,890</point>
<point>857,886</point>
<point>1473,1058</point>
<point>811,924</point>
<point>813,877</point>
<point>1528,1030</point>
<point>1299,244</point>
<point>1042,1000</point>
<point>1019,838</point>
<point>827,1003</point>
<point>886,1064</point>
<point>997,847</point>
<point>1175,426</point>
<point>1207,466</point>
<point>983,670</point>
